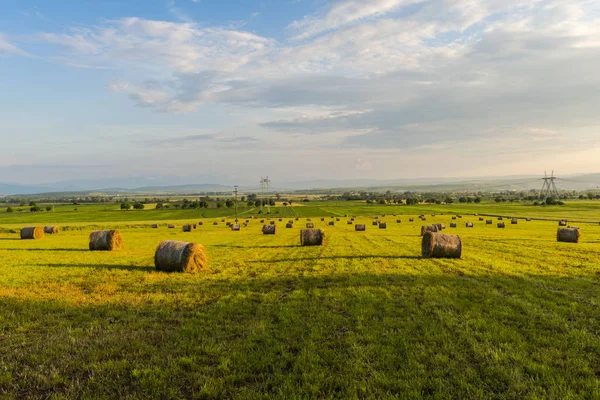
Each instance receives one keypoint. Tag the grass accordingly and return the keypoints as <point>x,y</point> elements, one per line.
<point>361,317</point>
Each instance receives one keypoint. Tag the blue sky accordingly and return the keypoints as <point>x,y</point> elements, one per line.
<point>227,91</point>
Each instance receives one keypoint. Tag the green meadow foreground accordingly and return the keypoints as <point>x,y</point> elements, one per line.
<point>361,317</point>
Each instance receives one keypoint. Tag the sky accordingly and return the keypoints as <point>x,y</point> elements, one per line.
<point>227,91</point>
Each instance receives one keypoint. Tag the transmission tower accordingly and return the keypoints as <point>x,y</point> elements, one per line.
<point>549,187</point>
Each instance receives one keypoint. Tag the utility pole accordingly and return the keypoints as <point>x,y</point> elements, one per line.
<point>235,203</point>
<point>262,193</point>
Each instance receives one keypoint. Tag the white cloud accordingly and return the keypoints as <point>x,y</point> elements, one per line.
<point>381,75</point>
<point>343,13</point>
<point>7,48</point>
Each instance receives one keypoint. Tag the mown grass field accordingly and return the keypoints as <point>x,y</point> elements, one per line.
<point>361,317</point>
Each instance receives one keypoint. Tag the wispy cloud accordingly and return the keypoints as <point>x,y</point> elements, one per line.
<point>344,13</point>
<point>382,75</point>
<point>8,48</point>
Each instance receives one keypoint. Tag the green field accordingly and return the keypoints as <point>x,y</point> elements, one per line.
<point>361,317</point>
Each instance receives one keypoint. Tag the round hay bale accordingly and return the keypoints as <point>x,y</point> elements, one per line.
<point>188,227</point>
<point>280,219</point>
<point>459,216</point>
<point>262,221</point>
<point>322,219</point>
<point>308,219</point>
<point>106,240</point>
<point>331,223</point>
<point>488,222</point>
<point>360,227</point>
<point>223,220</point>
<point>200,223</point>
<point>154,226</point>
<point>171,226</point>
<point>528,219</point>
<point>440,245</point>
<point>383,225</point>
<point>501,225</point>
<point>349,222</point>
<point>481,218</point>
<point>310,225</point>
<point>51,230</point>
<point>452,224</point>
<point>411,220</point>
<point>215,223</point>
<point>312,237</point>
<point>568,235</point>
<point>514,221</point>
<point>269,229</point>
<point>428,228</point>
<point>297,219</point>
<point>453,217</point>
<point>174,256</point>
<point>32,232</point>
<point>423,219</point>
<point>271,222</point>
<point>398,221</point>
<point>247,221</point>
<point>469,225</point>
<point>337,219</point>
<point>228,224</point>
<point>562,222</point>
<point>375,223</point>
<point>433,215</point>
<point>289,225</point>
<point>499,218</point>
<point>235,227</point>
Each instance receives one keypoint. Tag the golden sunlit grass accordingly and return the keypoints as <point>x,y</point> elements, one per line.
<point>361,317</point>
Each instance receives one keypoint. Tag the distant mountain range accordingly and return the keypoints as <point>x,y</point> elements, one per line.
<point>154,186</point>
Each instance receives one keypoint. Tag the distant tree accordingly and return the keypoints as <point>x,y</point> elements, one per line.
<point>581,197</point>
<point>229,203</point>
<point>250,203</point>
<point>448,200</point>
<point>35,209</point>
<point>159,206</point>
<point>462,200</point>
<point>125,206</point>
<point>219,204</point>
<point>498,200</point>
<point>590,196</point>
<point>9,209</point>
<point>285,204</point>
<point>290,202</point>
<point>32,203</point>
<point>382,201</point>
<point>257,203</point>
<point>243,199</point>
<point>477,200</point>
<point>48,208</point>
<point>138,206</point>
